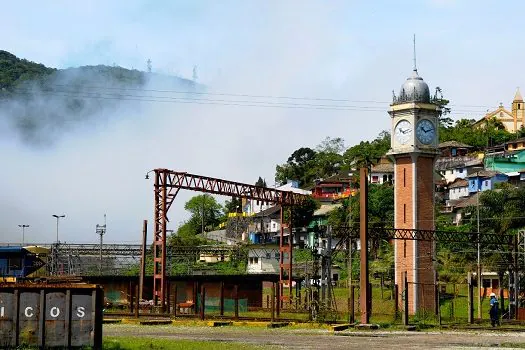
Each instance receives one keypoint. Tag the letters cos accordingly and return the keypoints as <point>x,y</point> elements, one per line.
<point>53,312</point>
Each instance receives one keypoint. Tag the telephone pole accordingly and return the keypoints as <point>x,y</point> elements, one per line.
<point>101,230</point>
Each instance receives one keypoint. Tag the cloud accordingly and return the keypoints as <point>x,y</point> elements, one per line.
<point>348,51</point>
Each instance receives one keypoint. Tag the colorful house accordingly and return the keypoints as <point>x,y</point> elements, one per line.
<point>334,188</point>
<point>506,158</point>
<point>484,180</point>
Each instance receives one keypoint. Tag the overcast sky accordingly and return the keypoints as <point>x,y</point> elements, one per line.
<point>349,50</point>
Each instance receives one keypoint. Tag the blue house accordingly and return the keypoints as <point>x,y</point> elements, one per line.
<point>484,180</point>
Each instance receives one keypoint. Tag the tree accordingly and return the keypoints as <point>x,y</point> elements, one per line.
<point>298,167</point>
<point>331,145</point>
<point>231,206</point>
<point>205,214</point>
<point>260,182</point>
<point>366,152</point>
<point>303,214</point>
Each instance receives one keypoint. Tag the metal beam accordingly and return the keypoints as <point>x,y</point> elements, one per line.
<point>425,235</point>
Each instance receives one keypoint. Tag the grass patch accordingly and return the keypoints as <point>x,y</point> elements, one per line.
<point>118,343</point>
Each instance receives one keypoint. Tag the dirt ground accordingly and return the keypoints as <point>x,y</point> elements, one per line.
<point>322,338</point>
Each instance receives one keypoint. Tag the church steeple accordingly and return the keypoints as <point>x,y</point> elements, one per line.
<point>518,110</point>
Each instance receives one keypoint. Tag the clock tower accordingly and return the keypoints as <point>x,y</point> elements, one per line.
<point>414,148</point>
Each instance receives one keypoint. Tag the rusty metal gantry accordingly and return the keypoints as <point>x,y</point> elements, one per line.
<point>168,183</point>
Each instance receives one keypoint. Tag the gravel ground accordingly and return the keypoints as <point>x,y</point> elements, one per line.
<point>321,338</point>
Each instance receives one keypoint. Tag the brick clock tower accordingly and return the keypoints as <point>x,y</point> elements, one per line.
<point>414,148</point>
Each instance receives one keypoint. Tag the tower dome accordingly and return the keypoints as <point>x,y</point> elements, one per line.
<point>414,90</point>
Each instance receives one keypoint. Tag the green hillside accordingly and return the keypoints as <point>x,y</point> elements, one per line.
<point>14,70</point>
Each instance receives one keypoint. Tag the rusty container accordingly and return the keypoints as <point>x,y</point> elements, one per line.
<point>51,315</point>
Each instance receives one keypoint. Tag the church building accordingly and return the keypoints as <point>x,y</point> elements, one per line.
<point>512,120</point>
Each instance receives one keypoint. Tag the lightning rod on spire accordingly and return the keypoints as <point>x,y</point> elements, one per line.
<point>415,66</point>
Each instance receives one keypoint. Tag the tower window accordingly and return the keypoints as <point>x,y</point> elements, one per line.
<point>519,106</point>
<point>404,248</point>
<point>404,177</point>
<point>404,213</point>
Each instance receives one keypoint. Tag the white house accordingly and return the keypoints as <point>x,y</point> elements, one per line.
<point>458,189</point>
<point>264,259</point>
<point>460,168</point>
<point>255,206</point>
<point>381,173</point>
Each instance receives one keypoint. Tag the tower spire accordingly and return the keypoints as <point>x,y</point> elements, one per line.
<point>415,66</point>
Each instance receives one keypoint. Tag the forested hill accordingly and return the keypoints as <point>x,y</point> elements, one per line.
<point>14,70</point>
<point>40,103</point>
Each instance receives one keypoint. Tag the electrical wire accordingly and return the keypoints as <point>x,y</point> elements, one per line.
<point>208,101</point>
<point>251,95</point>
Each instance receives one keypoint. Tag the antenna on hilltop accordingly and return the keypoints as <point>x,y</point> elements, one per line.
<point>415,65</point>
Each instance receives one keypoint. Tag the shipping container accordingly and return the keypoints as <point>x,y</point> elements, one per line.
<point>51,315</point>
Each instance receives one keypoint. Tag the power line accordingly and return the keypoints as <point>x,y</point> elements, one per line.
<point>251,95</point>
<point>205,101</point>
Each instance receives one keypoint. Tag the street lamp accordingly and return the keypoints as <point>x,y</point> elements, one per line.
<point>147,174</point>
<point>23,232</point>
<point>58,217</point>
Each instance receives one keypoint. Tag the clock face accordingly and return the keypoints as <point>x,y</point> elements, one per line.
<point>403,132</point>
<point>425,131</point>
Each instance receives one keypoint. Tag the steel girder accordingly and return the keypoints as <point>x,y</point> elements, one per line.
<point>426,235</point>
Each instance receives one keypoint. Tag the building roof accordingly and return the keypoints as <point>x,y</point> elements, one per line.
<point>383,168</point>
<point>468,201</point>
<point>342,176</point>
<point>268,212</point>
<point>414,89</point>
<point>11,249</point>
<point>444,163</point>
<point>453,144</point>
<point>459,183</point>
<point>484,174</point>
<point>290,187</point>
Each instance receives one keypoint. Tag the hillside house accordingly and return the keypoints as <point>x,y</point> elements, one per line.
<point>484,180</point>
<point>252,206</point>
<point>453,149</point>
<point>456,208</point>
<point>333,188</point>
<point>381,173</point>
<point>506,158</point>
<point>458,168</point>
<point>458,189</point>
<point>264,259</point>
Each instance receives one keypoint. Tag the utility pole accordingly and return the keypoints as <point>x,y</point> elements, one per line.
<point>350,296</point>
<point>479,257</point>
<point>202,214</point>
<point>101,230</point>
<point>23,232</point>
